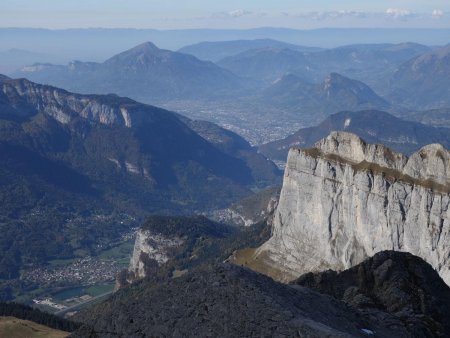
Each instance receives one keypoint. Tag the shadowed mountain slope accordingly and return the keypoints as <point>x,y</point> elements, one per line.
<point>226,301</point>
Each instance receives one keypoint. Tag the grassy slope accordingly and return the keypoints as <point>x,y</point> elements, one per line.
<point>12,327</point>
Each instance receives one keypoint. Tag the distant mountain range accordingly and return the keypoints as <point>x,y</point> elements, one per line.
<point>369,63</point>
<point>217,50</point>
<point>100,43</point>
<point>268,64</point>
<point>371,125</point>
<point>64,155</point>
<point>145,73</point>
<point>150,74</point>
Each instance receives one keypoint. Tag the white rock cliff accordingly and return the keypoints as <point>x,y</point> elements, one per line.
<point>346,200</point>
<point>151,246</point>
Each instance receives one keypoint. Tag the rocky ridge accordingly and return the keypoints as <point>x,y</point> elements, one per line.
<point>28,98</point>
<point>229,301</point>
<point>345,200</point>
<point>394,282</point>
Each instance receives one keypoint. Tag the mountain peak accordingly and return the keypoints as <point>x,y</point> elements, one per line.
<point>336,78</point>
<point>145,47</point>
<point>430,164</point>
<point>138,55</point>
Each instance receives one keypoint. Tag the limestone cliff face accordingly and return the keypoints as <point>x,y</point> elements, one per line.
<point>63,106</point>
<point>345,200</point>
<point>149,246</point>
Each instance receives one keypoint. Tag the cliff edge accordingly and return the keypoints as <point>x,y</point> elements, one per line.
<point>345,200</point>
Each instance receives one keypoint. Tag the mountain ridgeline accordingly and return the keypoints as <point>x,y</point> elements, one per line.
<point>370,63</point>
<point>374,126</point>
<point>217,50</point>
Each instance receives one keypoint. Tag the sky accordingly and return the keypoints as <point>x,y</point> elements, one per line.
<point>181,14</point>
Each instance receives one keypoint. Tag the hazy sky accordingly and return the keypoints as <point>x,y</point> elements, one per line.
<point>174,14</point>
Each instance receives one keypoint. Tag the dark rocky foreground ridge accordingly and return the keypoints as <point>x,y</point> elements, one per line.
<point>231,301</point>
<point>392,282</point>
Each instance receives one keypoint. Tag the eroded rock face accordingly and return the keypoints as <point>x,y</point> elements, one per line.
<point>345,200</point>
<point>149,246</point>
<point>29,98</point>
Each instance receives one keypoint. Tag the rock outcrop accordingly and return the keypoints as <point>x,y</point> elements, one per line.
<point>397,283</point>
<point>172,245</point>
<point>151,246</point>
<point>345,200</point>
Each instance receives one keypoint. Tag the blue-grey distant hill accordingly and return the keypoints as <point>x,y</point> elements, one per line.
<point>311,103</point>
<point>217,50</point>
<point>98,44</point>
<point>371,63</point>
<point>372,125</point>
<point>423,82</point>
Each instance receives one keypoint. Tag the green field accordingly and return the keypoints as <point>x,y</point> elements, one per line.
<point>69,293</point>
<point>96,290</point>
